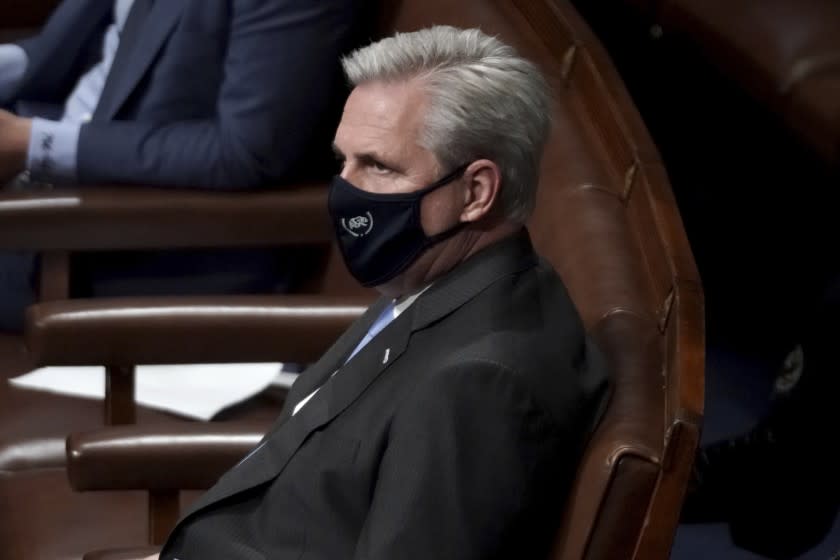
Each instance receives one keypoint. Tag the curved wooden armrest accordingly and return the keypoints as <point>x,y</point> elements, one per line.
<point>123,553</point>
<point>177,330</point>
<point>100,218</point>
<point>190,456</point>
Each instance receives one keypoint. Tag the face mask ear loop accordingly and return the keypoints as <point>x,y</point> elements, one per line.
<point>445,180</point>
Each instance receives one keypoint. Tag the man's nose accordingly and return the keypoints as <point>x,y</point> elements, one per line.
<point>349,172</point>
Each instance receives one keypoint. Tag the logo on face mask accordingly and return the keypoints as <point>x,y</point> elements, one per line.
<point>359,226</point>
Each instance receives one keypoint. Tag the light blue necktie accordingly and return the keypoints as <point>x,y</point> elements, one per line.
<point>381,322</point>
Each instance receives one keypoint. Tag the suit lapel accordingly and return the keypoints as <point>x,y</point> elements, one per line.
<point>378,355</point>
<point>317,374</point>
<point>507,257</point>
<point>270,459</point>
<point>155,31</point>
<point>340,391</point>
<point>289,432</point>
<point>332,398</point>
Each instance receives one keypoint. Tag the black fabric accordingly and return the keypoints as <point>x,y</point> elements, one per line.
<point>777,485</point>
<point>790,467</point>
<point>455,433</point>
<point>380,235</point>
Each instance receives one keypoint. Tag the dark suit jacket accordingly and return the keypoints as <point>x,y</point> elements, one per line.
<point>216,93</point>
<point>454,434</point>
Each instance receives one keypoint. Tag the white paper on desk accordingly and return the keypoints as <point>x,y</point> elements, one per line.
<point>197,390</point>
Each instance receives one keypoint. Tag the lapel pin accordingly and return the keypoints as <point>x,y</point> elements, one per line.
<point>387,353</point>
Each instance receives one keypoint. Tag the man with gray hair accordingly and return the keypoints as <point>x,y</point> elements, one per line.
<point>448,421</point>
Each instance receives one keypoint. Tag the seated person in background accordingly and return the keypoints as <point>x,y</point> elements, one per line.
<point>189,93</point>
<point>449,420</point>
<point>777,486</point>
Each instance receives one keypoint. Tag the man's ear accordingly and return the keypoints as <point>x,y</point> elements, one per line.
<point>482,190</point>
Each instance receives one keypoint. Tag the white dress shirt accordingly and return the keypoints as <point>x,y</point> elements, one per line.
<point>12,69</point>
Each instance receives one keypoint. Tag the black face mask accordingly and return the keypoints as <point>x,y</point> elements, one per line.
<point>380,235</point>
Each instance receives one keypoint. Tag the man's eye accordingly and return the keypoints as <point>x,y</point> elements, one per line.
<point>379,168</point>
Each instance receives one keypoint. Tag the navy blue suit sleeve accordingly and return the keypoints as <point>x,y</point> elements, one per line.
<point>69,41</point>
<point>280,77</point>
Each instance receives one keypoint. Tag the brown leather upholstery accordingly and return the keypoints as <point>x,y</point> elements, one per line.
<point>50,521</point>
<point>125,554</point>
<point>161,460</point>
<point>293,328</point>
<point>57,221</point>
<point>149,218</point>
<point>73,523</point>
<point>786,53</point>
<point>608,222</point>
<point>13,356</point>
<point>171,457</point>
<point>34,425</point>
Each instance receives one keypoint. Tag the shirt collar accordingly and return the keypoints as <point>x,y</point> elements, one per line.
<point>402,304</point>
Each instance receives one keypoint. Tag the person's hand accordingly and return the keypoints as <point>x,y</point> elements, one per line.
<point>14,145</point>
<point>153,557</point>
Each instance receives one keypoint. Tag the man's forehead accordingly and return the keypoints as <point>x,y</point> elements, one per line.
<point>388,106</point>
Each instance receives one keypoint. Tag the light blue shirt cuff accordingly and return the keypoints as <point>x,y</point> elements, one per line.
<point>52,151</point>
<point>13,63</point>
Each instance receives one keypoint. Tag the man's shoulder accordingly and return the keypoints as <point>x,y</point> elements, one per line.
<point>525,330</point>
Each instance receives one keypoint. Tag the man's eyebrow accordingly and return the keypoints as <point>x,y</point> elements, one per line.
<point>368,158</point>
<point>371,157</point>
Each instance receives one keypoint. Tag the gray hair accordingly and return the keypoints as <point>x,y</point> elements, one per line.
<point>485,101</point>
